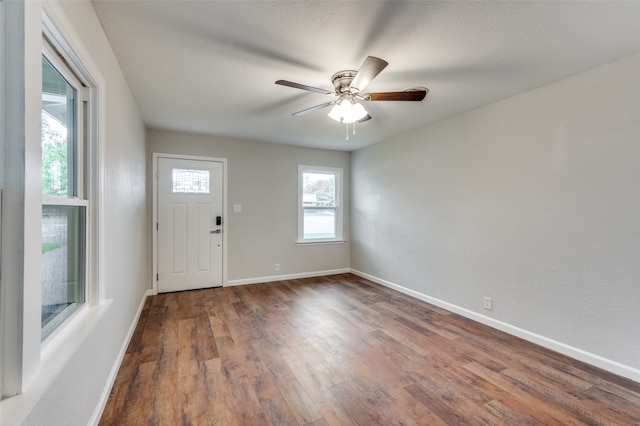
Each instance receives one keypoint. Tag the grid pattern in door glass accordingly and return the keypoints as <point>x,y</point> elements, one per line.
<point>190,181</point>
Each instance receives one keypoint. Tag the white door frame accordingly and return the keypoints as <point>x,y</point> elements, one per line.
<point>225,211</point>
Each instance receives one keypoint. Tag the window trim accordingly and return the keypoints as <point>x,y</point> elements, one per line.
<point>60,34</point>
<point>9,379</point>
<point>30,365</point>
<point>80,138</point>
<point>77,168</point>
<point>339,211</point>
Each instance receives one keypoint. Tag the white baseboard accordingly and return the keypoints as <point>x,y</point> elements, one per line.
<point>570,351</point>
<point>102,403</point>
<point>286,277</point>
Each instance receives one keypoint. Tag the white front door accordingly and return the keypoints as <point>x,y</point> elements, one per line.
<point>190,207</point>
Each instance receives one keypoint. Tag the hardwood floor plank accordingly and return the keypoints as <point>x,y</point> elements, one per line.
<point>440,408</point>
<point>562,415</point>
<point>358,411</point>
<point>188,364</point>
<point>454,396</point>
<point>393,405</point>
<point>511,412</point>
<point>275,409</point>
<point>219,399</point>
<point>302,406</point>
<point>582,406</point>
<point>420,317</point>
<point>163,390</point>
<point>193,399</point>
<point>312,366</point>
<point>341,350</point>
<point>257,420</point>
<point>236,351</point>
<point>627,404</point>
<point>245,403</point>
<point>316,377</point>
<point>206,347</point>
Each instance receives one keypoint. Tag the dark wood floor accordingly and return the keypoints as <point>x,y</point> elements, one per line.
<point>341,350</point>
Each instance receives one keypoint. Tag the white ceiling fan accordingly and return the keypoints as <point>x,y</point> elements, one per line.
<point>349,86</point>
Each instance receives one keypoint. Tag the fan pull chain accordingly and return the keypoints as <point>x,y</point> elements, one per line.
<point>347,131</point>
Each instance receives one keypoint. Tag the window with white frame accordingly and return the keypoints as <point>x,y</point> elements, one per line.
<point>319,204</point>
<point>65,201</point>
<point>35,306</point>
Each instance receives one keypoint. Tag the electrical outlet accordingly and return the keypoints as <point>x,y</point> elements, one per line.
<point>488,303</point>
<point>277,268</point>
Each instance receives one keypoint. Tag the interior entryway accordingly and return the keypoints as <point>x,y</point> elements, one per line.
<point>189,207</point>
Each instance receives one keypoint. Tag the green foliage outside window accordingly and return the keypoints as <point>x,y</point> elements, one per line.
<point>54,159</point>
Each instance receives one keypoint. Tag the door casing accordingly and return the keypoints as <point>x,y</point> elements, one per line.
<point>155,157</point>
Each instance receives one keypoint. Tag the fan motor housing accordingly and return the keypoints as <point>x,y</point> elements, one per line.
<point>342,79</point>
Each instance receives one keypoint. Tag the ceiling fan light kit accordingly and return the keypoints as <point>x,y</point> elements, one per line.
<point>348,84</point>
<point>347,111</point>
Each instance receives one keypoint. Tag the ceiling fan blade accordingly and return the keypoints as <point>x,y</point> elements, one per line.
<point>408,95</point>
<point>370,68</point>
<point>366,118</point>
<point>304,87</point>
<point>314,108</point>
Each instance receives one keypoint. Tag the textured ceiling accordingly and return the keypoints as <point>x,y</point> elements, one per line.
<point>210,66</point>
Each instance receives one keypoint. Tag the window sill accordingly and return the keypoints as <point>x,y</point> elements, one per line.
<point>320,242</point>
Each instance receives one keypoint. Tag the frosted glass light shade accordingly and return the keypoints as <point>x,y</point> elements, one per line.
<point>347,111</point>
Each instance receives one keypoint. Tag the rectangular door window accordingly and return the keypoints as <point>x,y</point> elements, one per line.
<point>190,181</point>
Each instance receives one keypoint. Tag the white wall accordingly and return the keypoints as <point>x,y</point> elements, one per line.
<point>533,201</point>
<point>263,179</point>
<point>74,392</point>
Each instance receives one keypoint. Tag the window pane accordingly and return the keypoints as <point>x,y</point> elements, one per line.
<point>62,261</point>
<point>190,181</point>
<point>319,190</point>
<point>319,223</point>
<point>58,124</point>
